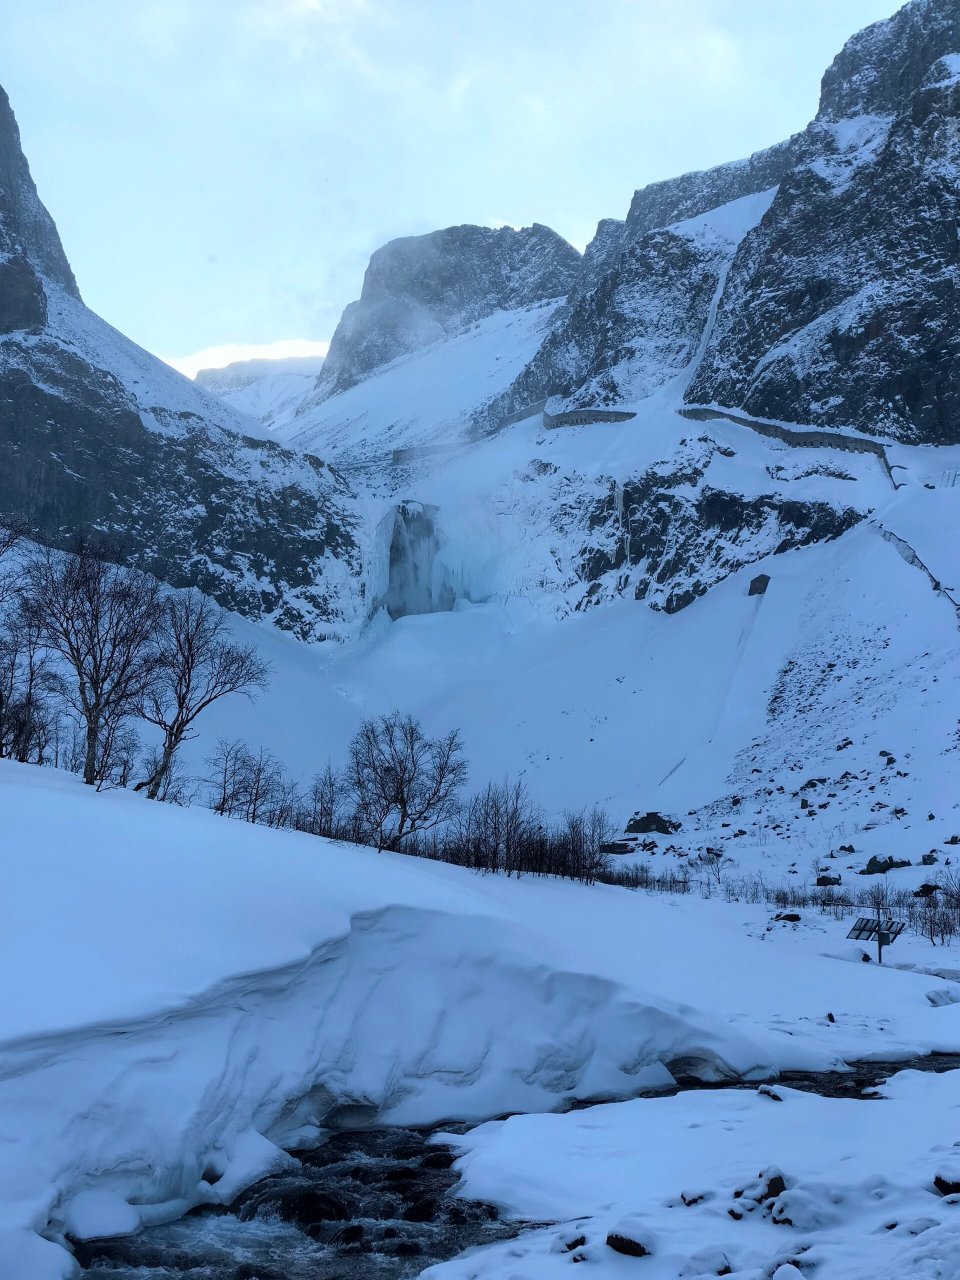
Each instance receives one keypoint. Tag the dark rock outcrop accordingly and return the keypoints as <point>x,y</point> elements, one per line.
<point>27,232</point>
<point>667,538</point>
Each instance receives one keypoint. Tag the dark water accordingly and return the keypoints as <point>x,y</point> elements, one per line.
<point>376,1205</point>
<point>858,1081</point>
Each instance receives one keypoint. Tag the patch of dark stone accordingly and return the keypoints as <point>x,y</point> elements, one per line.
<point>860,1081</point>
<point>377,1205</point>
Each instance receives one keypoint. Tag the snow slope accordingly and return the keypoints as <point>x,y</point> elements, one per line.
<point>423,398</point>
<point>732,703</point>
<point>257,986</point>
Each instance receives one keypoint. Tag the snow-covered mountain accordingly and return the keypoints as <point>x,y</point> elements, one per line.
<point>836,305</point>
<point>424,288</point>
<point>743,564</point>
<point>269,390</point>
<point>490,519</point>
<point>97,434</point>
<point>671,528</point>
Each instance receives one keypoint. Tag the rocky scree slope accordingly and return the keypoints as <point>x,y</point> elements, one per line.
<point>838,308</point>
<point>97,434</point>
<point>419,289</point>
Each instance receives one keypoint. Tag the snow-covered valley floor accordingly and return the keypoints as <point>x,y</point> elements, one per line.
<point>261,987</point>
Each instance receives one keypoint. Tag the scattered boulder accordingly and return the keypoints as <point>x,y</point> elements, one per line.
<point>947,1180</point>
<point>926,890</point>
<point>880,866</point>
<point>827,882</point>
<point>632,1237</point>
<point>643,824</point>
<point>690,1198</point>
<point>928,860</point>
<point>421,1211</point>
<point>942,996</point>
<point>770,1184</point>
<point>567,1244</point>
<point>706,1262</point>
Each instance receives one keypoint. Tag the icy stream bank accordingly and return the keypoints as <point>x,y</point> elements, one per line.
<point>380,1205</point>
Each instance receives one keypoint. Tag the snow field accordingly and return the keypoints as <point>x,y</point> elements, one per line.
<point>699,1180</point>
<point>259,986</point>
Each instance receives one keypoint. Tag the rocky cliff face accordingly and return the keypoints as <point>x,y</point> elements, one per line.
<point>838,306</point>
<point>29,244</point>
<point>633,328</point>
<point>97,434</point>
<point>843,307</point>
<point>667,531</point>
<point>424,288</point>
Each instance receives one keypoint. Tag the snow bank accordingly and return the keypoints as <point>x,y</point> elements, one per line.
<point>736,1181</point>
<point>185,995</point>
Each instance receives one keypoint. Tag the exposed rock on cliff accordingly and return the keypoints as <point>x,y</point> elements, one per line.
<point>97,434</point>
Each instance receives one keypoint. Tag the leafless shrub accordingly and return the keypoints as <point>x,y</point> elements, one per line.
<point>403,783</point>
<point>197,665</point>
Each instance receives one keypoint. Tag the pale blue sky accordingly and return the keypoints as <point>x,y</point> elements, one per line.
<point>220,170</point>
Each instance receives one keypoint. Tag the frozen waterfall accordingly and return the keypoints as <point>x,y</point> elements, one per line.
<point>422,577</point>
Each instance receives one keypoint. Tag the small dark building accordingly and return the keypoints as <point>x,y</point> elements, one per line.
<point>759,584</point>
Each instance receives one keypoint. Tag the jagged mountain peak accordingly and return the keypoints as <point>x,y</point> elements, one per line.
<point>418,289</point>
<point>881,66</point>
<point>97,434</point>
<point>27,231</point>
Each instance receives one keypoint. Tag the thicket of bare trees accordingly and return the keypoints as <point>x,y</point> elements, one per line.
<point>403,783</point>
<point>89,648</point>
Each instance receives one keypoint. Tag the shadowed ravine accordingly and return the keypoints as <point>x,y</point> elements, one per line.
<point>377,1205</point>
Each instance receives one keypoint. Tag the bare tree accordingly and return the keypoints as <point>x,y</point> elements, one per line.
<point>12,532</point>
<point>579,843</point>
<point>325,808</point>
<point>26,684</point>
<point>101,620</point>
<point>226,780</point>
<point>252,786</point>
<point>198,664</point>
<point>498,829</point>
<point>402,781</point>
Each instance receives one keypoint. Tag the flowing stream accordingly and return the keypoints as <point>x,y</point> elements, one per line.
<point>368,1205</point>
